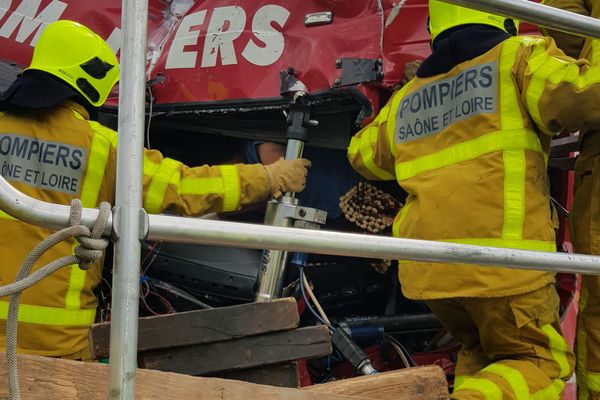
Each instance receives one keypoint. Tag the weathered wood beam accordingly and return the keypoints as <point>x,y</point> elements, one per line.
<point>284,375</point>
<point>247,352</point>
<point>419,383</point>
<point>203,326</point>
<point>44,378</point>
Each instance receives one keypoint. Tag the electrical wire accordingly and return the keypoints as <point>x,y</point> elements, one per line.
<point>401,354</point>
<point>306,300</point>
<point>163,300</point>
<point>148,307</point>
<point>166,303</point>
<point>153,252</point>
<point>559,207</point>
<point>151,248</point>
<point>407,360</point>
<point>167,287</point>
<point>144,285</point>
<point>107,284</point>
<point>149,117</point>
<point>314,299</point>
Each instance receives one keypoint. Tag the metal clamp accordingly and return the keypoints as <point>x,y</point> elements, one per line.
<point>289,208</point>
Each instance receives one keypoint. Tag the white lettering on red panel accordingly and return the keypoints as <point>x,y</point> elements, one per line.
<point>4,4</point>
<point>27,19</point>
<point>273,40</point>
<point>224,28</point>
<point>222,35</point>
<point>185,36</point>
<point>226,25</point>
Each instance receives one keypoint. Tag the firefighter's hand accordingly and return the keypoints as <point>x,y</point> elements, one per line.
<point>410,71</point>
<point>287,175</point>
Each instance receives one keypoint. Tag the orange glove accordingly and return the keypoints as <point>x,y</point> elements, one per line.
<point>287,175</point>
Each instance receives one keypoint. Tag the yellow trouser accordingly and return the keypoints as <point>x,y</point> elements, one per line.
<point>512,347</point>
<point>585,234</point>
<point>82,355</point>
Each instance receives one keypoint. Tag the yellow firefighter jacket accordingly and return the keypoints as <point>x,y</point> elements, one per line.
<point>470,148</point>
<point>575,46</point>
<point>59,155</point>
<point>585,213</point>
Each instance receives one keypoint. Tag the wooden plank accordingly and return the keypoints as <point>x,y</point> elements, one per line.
<point>44,378</point>
<point>283,375</point>
<point>203,326</point>
<point>248,352</point>
<point>419,383</point>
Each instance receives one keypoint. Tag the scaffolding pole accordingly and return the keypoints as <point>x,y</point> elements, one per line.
<point>255,236</point>
<point>537,14</point>
<point>127,217</point>
<point>235,234</point>
<point>128,220</point>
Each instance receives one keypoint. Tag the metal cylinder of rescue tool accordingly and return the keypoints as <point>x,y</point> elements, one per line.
<point>273,266</point>
<point>293,150</point>
<point>274,262</point>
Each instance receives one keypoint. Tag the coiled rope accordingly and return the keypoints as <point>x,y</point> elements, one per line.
<point>90,249</point>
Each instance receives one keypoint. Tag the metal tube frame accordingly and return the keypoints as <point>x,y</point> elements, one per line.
<point>256,236</point>
<point>39,213</point>
<point>127,222</point>
<point>191,230</point>
<point>537,14</point>
<point>128,213</point>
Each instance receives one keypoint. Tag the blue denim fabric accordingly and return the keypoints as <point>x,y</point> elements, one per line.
<point>330,177</point>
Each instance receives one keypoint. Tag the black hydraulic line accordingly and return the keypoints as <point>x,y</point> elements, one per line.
<point>399,323</point>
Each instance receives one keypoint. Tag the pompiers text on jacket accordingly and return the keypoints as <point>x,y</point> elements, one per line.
<point>435,106</point>
<point>43,164</point>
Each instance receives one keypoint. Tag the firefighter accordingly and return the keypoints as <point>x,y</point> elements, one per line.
<point>468,140</point>
<point>51,149</point>
<point>585,213</point>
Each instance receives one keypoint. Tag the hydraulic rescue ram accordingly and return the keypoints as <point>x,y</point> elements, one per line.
<point>286,211</point>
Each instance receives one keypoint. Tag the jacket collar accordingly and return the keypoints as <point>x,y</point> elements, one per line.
<point>460,45</point>
<point>76,107</point>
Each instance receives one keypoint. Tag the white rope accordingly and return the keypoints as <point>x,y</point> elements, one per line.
<point>89,250</point>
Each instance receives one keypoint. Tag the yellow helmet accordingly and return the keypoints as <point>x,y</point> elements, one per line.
<point>73,53</point>
<point>444,16</point>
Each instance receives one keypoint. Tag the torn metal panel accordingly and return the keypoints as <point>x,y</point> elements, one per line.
<point>359,70</point>
<point>159,37</point>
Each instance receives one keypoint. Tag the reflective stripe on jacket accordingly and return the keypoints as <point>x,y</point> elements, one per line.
<point>60,155</point>
<point>470,149</point>
<point>585,213</point>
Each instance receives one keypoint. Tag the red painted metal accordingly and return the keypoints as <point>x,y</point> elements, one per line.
<point>220,51</point>
<point>232,51</point>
